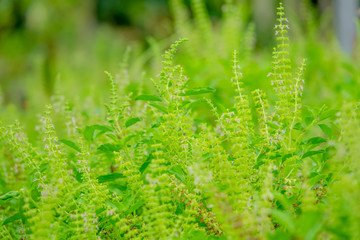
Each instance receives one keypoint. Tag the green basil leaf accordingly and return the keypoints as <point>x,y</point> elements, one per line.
<point>148,98</point>
<point>70,144</point>
<point>132,121</point>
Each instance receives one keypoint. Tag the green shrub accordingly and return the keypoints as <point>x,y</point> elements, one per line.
<point>154,168</point>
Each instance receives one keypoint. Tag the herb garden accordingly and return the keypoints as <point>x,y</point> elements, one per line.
<point>201,143</point>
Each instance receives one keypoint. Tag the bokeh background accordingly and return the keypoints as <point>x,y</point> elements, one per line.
<point>52,46</point>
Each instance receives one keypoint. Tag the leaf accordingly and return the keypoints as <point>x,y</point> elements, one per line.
<point>315,140</point>
<point>326,130</point>
<point>116,205</point>
<point>299,126</point>
<point>161,108</point>
<point>110,177</point>
<point>315,180</point>
<point>94,131</point>
<point>258,164</point>
<point>132,121</point>
<point>44,166</point>
<point>193,104</point>
<point>273,125</point>
<point>309,120</point>
<point>198,91</point>
<point>284,219</point>
<point>145,165</point>
<point>13,218</point>
<point>286,156</point>
<point>328,114</point>
<point>35,194</point>
<point>282,200</point>
<point>9,196</point>
<point>178,172</point>
<point>310,224</point>
<point>70,144</point>
<point>108,147</point>
<point>135,207</point>
<point>99,210</point>
<point>197,234</point>
<point>148,98</point>
<point>311,153</point>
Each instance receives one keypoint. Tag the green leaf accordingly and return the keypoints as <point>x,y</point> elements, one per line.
<point>132,121</point>
<point>148,98</point>
<point>272,125</point>
<point>135,207</point>
<point>198,91</point>
<point>311,153</point>
<point>70,144</point>
<point>326,130</point>
<point>310,224</point>
<point>282,200</point>
<point>309,120</point>
<point>35,194</point>
<point>9,196</point>
<point>280,234</point>
<point>299,126</point>
<point>94,131</point>
<point>110,177</point>
<point>193,104</point>
<point>315,140</point>
<point>178,172</point>
<point>145,165</point>
<point>161,108</point>
<point>286,156</point>
<point>116,205</point>
<point>44,166</point>
<point>284,219</point>
<point>197,234</point>
<point>13,218</point>
<point>328,114</point>
<point>108,147</point>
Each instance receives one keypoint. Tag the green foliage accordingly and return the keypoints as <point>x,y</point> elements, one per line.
<point>153,167</point>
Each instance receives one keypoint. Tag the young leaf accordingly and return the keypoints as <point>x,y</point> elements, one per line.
<point>70,144</point>
<point>148,98</point>
<point>178,172</point>
<point>135,207</point>
<point>315,140</point>
<point>9,196</point>
<point>94,131</point>
<point>13,218</point>
<point>299,126</point>
<point>108,147</point>
<point>198,91</point>
<point>328,114</point>
<point>311,153</point>
<point>284,219</point>
<point>161,108</point>
<point>132,121</point>
<point>109,177</point>
<point>326,130</point>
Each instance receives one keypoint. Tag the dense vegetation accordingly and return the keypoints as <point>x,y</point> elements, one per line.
<point>200,153</point>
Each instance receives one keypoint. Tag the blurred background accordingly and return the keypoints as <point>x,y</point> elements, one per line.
<point>66,45</point>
